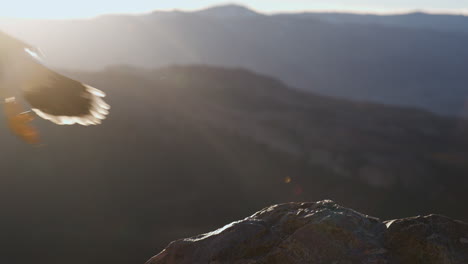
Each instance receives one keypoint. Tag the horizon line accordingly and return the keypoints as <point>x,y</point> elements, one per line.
<point>463,12</point>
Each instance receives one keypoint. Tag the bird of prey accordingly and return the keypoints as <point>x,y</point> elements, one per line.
<point>51,96</point>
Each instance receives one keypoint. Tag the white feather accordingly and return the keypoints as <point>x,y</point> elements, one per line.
<point>98,112</point>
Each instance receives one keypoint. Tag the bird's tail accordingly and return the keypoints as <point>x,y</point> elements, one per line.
<point>19,122</point>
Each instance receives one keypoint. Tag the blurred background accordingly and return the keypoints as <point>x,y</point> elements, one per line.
<point>219,110</point>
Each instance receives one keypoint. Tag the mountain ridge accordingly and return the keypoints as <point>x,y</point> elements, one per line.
<point>405,66</point>
<point>229,10</point>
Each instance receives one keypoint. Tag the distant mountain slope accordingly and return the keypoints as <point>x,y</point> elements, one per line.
<point>418,20</point>
<point>378,146</point>
<point>187,149</point>
<point>394,60</point>
<point>226,11</point>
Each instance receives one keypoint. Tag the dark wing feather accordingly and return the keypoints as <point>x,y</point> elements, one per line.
<point>62,100</point>
<point>59,96</point>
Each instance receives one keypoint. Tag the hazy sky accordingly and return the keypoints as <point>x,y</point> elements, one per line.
<point>90,8</point>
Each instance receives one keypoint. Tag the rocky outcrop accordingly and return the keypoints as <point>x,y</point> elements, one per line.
<point>324,232</point>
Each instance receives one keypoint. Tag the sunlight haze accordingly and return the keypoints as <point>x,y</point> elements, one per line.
<point>56,9</point>
<point>154,132</point>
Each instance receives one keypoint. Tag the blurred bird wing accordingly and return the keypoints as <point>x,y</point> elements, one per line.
<point>60,99</point>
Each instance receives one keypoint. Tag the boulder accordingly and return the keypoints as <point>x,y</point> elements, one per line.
<point>323,232</point>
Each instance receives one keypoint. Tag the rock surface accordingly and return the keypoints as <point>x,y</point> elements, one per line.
<point>324,232</point>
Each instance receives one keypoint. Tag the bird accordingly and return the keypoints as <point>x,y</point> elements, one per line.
<point>52,96</point>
